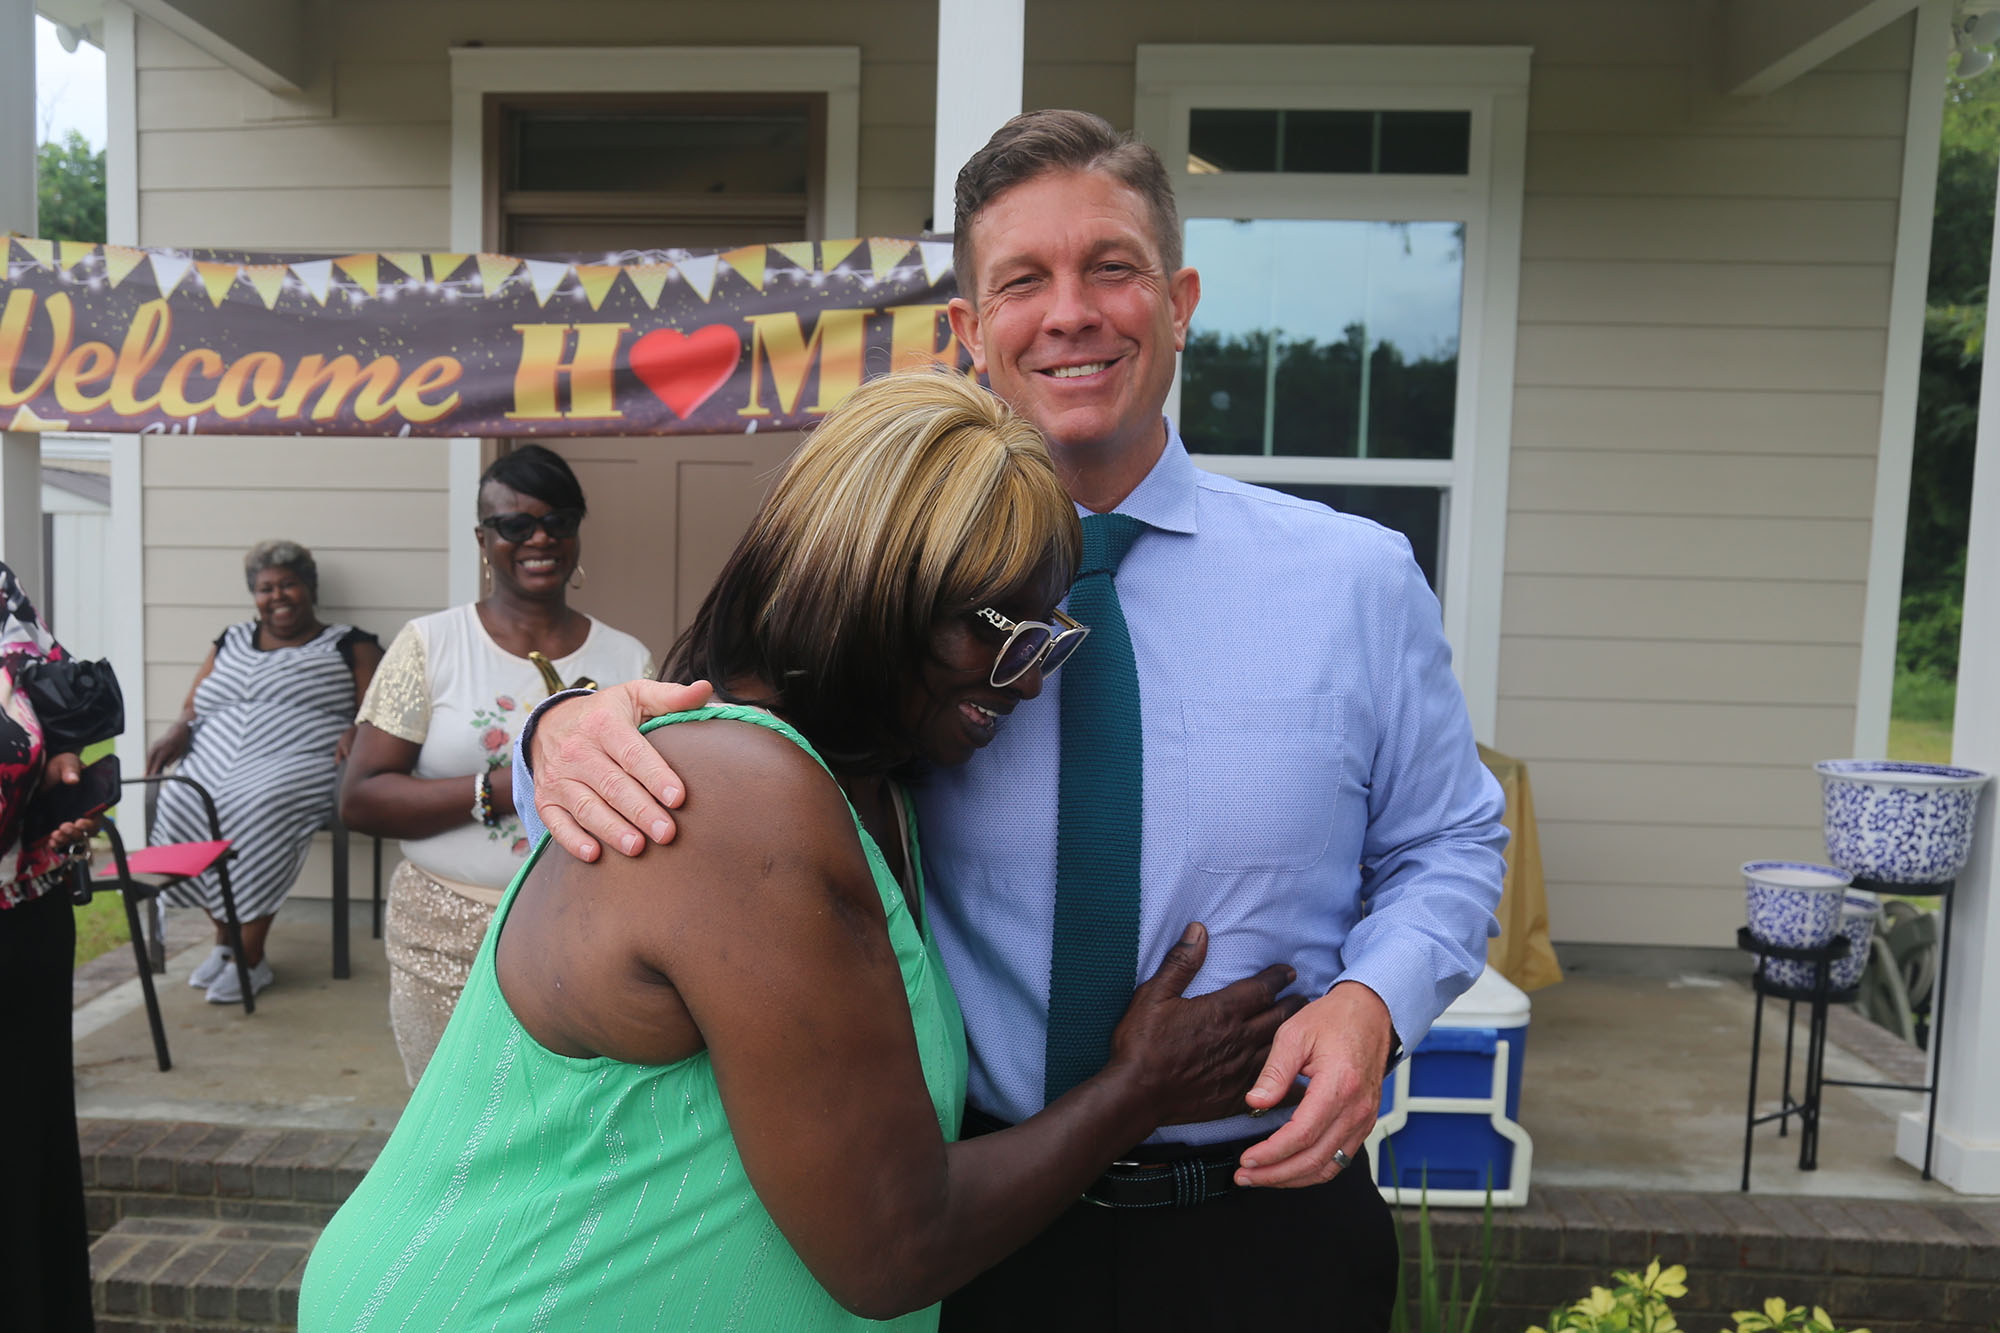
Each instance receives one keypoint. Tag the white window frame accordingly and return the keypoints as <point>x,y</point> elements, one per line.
<point>479,70</point>
<point>1491,83</point>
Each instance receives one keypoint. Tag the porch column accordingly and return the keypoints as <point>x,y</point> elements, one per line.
<point>978,87</point>
<point>1968,1122</point>
<point>20,453</point>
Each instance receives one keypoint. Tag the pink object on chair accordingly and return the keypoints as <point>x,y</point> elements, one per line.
<point>181,860</point>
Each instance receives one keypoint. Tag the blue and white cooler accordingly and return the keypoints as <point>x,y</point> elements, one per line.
<point>1451,1111</point>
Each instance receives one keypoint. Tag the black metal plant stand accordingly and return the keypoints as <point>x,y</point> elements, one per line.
<point>1818,997</point>
<point>1942,891</point>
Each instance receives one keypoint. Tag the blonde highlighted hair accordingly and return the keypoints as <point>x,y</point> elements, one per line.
<point>921,497</point>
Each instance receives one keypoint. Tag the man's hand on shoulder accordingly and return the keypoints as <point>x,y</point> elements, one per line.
<point>597,781</point>
<point>1340,1043</point>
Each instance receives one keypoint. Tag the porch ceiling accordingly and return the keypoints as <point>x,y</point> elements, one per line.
<point>263,40</point>
<point>1761,45</point>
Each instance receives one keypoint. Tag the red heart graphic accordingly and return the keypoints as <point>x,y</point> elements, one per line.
<point>684,369</point>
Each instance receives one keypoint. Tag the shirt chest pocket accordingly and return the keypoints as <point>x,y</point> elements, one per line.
<point>1263,776</point>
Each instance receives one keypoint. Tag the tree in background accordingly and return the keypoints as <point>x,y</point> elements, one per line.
<point>1948,400</point>
<point>70,189</point>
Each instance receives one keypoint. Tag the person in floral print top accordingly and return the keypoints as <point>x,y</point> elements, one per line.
<point>44,1252</point>
<point>432,759</point>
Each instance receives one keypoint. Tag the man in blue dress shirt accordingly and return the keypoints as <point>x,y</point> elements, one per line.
<point>1312,792</point>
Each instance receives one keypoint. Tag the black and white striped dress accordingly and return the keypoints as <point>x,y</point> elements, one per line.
<point>266,726</point>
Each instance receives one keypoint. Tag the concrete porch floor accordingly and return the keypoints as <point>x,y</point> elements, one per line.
<point>1634,1078</point>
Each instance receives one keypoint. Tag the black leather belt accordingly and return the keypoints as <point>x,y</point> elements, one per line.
<point>1158,1175</point>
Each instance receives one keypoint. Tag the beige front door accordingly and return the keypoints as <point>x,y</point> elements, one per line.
<point>664,516</point>
<point>587,175</point>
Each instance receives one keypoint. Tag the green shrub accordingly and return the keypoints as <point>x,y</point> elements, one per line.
<point>1637,1303</point>
<point>1923,696</point>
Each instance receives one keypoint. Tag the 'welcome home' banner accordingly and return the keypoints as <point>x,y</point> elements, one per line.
<point>762,337</point>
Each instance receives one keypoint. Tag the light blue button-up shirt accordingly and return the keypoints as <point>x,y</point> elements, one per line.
<point>1313,794</point>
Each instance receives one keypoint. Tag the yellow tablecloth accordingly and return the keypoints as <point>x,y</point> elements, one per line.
<point>1521,952</point>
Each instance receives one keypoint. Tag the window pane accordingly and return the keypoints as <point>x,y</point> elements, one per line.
<point>1418,512</point>
<point>1425,143</point>
<point>1323,338</point>
<point>1329,141</point>
<point>760,152</point>
<point>1232,141</point>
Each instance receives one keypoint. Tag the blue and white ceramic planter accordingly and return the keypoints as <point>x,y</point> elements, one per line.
<point>1901,823</point>
<point>1793,904</point>
<point>1857,923</point>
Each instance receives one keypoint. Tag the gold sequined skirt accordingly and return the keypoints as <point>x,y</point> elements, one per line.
<point>432,935</point>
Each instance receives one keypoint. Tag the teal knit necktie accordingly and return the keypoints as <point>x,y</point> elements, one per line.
<point>1095,956</point>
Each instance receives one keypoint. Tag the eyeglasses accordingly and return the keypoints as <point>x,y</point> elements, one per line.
<point>1030,644</point>
<point>518,527</point>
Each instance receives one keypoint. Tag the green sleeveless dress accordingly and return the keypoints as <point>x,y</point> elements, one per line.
<point>527,1190</point>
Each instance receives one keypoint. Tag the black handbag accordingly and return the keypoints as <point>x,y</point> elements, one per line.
<point>78,703</point>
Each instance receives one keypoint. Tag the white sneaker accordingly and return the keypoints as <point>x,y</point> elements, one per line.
<point>227,990</point>
<point>219,960</point>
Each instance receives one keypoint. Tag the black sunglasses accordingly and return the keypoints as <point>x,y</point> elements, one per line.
<point>518,527</point>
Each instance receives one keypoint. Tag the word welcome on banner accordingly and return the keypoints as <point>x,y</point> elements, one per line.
<point>676,342</point>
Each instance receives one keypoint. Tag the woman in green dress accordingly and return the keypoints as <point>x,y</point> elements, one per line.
<point>718,1085</point>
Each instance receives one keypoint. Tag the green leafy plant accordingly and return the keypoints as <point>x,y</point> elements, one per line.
<point>1637,1303</point>
<point>1634,1303</point>
<point>1777,1317</point>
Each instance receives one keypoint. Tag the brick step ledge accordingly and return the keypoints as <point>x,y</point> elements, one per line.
<point>190,1275</point>
<point>163,1168</point>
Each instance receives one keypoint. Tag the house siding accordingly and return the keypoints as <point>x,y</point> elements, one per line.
<point>1703,308</point>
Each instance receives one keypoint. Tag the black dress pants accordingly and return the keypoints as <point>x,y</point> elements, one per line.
<point>1321,1258</point>
<point>44,1250</point>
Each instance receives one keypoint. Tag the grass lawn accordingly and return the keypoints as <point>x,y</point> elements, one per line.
<point>1920,740</point>
<point>100,927</point>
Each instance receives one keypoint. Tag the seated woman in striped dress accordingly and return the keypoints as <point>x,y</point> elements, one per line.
<point>264,728</point>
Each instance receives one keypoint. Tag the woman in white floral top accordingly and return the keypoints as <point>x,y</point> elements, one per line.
<point>432,760</point>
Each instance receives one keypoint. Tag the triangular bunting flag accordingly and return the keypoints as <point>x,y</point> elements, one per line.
<point>649,279</point>
<point>884,253</point>
<point>545,275</point>
<point>363,269</point>
<point>268,279</point>
<point>217,278</point>
<point>699,270</point>
<point>24,420</point>
<point>495,270</point>
<point>317,275</point>
<point>832,252</point>
<point>74,252</point>
<point>799,252</point>
<point>119,261</point>
<point>168,270</point>
<point>596,280</point>
<point>410,263</point>
<point>41,251</point>
<point>749,262</point>
<point>937,258</point>
<point>444,265</point>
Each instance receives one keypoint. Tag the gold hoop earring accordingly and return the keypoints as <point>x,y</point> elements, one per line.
<point>576,579</point>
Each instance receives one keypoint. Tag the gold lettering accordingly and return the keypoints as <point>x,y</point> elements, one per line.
<point>339,378</point>
<point>777,339</point>
<point>145,342</point>
<point>88,364</point>
<point>436,373</point>
<point>14,332</point>
<point>173,388</point>
<point>262,371</point>
<point>591,372</point>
